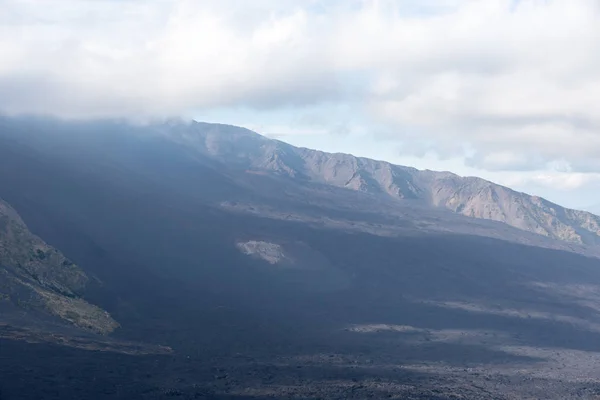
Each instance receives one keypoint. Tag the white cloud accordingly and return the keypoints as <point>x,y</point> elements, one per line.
<point>157,57</point>
<point>517,83</point>
<point>553,180</point>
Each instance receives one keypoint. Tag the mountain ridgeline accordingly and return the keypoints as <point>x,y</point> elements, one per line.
<point>469,196</point>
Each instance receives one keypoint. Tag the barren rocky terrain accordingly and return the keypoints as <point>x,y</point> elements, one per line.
<point>232,284</point>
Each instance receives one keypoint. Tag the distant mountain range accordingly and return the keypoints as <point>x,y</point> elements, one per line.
<point>469,196</point>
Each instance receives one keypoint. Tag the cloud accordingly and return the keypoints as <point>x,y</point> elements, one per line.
<point>555,180</point>
<point>515,83</point>
<point>157,57</point>
<point>508,85</point>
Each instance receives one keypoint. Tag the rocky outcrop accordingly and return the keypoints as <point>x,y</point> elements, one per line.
<point>35,276</point>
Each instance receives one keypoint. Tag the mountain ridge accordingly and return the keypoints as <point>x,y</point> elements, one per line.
<point>470,196</point>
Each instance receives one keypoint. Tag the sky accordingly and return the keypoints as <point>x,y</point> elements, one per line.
<point>508,90</point>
